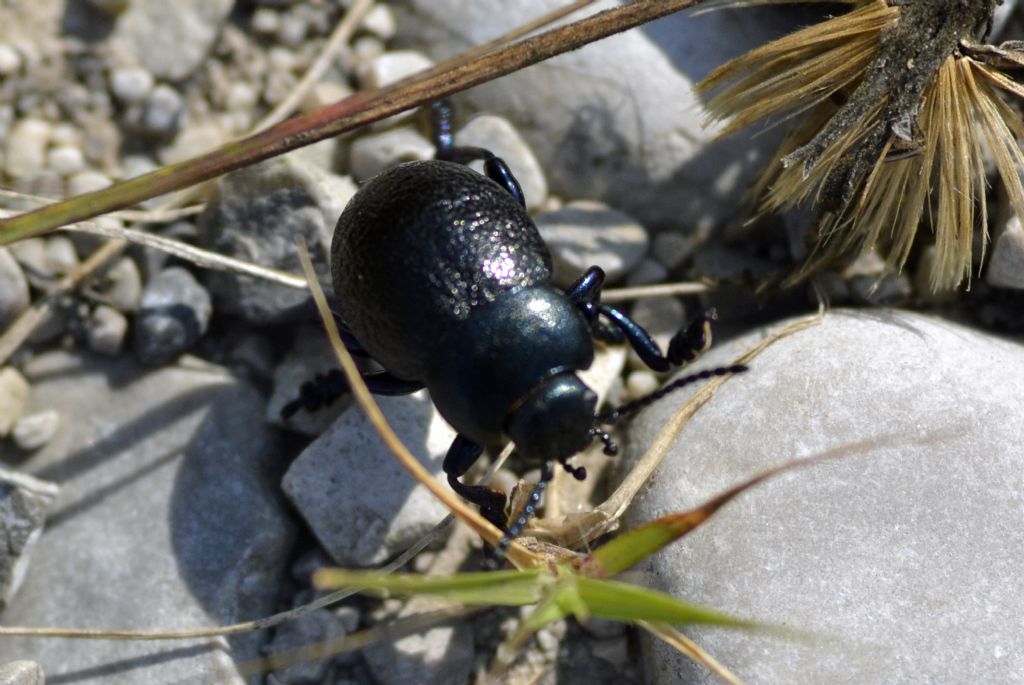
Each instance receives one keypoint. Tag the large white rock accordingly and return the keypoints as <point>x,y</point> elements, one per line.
<point>617,120</point>
<point>905,554</point>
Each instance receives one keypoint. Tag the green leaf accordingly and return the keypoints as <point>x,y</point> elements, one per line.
<point>507,588</point>
<point>624,602</point>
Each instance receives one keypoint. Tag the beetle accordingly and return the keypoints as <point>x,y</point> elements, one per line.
<point>442,278</point>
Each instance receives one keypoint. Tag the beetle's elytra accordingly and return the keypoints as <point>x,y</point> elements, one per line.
<point>441,276</point>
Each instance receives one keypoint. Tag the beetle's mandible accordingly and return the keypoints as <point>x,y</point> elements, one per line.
<point>441,277</point>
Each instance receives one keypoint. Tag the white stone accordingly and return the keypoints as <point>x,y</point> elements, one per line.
<point>381,22</point>
<point>585,233</point>
<point>65,159</point>
<point>902,553</point>
<point>618,120</point>
<point>393,66</point>
<point>1006,265</point>
<point>10,60</point>
<point>87,181</point>
<point>35,430</point>
<point>131,84</point>
<point>13,393</point>
<point>105,330</point>
<point>372,154</point>
<point>500,137</point>
<point>266,21</point>
<point>14,296</point>
<point>25,154</point>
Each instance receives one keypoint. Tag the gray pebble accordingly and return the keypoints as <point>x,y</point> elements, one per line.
<point>877,548</point>
<point>171,40</point>
<point>1006,265</point>
<point>35,430</point>
<point>292,29</point>
<point>241,95</point>
<point>671,248</point>
<point>647,272</point>
<point>25,153</point>
<point>372,154</point>
<point>25,502</point>
<point>164,112</point>
<point>31,254</point>
<point>65,159</point>
<point>318,626</point>
<point>256,214</point>
<point>174,312</point>
<point>105,330</point>
<point>22,673</point>
<point>500,137</point>
<point>87,181</point>
<point>65,134</point>
<point>890,289</point>
<point>60,256</point>
<point>13,393</point>
<point>131,84</point>
<point>14,296</point>
<point>586,233</point>
<point>336,482</point>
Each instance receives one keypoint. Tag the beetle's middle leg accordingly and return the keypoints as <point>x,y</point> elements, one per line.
<point>325,388</point>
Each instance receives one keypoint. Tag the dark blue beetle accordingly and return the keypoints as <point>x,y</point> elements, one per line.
<point>441,276</point>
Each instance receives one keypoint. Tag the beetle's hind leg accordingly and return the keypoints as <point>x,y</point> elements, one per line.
<point>495,167</point>
<point>325,388</point>
<point>683,348</point>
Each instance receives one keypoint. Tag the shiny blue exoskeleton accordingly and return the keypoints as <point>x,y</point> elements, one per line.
<point>441,276</point>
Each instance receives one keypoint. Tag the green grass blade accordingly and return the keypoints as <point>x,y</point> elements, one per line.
<point>624,602</point>
<point>506,588</point>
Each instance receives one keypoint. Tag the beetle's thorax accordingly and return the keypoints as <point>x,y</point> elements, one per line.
<point>486,367</point>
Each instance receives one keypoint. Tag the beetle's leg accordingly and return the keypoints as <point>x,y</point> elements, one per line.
<point>495,167</point>
<point>685,346</point>
<point>461,455</point>
<point>325,388</point>
<point>612,415</point>
<point>586,294</point>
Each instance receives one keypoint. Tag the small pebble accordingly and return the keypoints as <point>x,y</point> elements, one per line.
<point>500,137</point>
<point>292,29</point>
<point>105,330</point>
<point>265,21</point>
<point>647,272</point>
<point>164,112</point>
<point>281,59</point>
<point>61,258</point>
<point>14,296</point>
<point>365,49</point>
<point>31,254</point>
<point>381,22</point>
<point>33,431</point>
<point>671,248</point>
<point>65,159</point>
<point>122,285</point>
<point>587,233</point>
<point>25,153</point>
<point>325,93</point>
<point>47,183</point>
<point>374,153</point>
<point>241,95</point>
<point>87,181</point>
<point>13,393</point>
<point>1006,265</point>
<point>640,383</point>
<point>10,60</point>
<point>193,141</point>
<point>65,134</point>
<point>174,313</point>
<point>131,84</point>
<point>392,66</point>
<point>136,165</point>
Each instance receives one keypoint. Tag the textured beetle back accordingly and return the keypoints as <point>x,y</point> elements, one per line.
<point>419,248</point>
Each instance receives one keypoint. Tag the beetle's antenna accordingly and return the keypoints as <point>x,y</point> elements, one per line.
<point>611,448</point>
<point>514,530</point>
<point>622,411</point>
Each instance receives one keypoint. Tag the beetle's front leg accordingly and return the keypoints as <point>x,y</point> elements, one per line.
<point>683,348</point>
<point>460,457</point>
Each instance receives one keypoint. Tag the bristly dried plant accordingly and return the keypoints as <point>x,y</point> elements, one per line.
<point>901,107</point>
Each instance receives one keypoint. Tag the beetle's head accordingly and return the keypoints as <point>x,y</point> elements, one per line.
<point>555,420</point>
